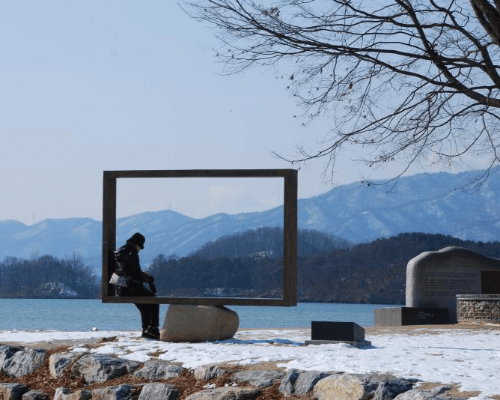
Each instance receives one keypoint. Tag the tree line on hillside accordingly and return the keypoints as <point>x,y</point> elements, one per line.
<point>247,276</point>
<point>47,277</point>
<point>372,272</point>
<point>269,241</point>
<point>244,264</point>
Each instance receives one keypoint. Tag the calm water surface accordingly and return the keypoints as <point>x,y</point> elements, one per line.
<point>82,315</point>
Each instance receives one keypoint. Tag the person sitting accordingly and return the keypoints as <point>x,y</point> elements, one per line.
<point>128,264</point>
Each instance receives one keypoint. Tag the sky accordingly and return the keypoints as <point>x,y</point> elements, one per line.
<point>466,357</point>
<point>93,86</point>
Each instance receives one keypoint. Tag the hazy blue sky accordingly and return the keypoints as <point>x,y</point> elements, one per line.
<point>88,86</point>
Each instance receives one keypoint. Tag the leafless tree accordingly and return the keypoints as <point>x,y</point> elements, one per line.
<point>410,80</point>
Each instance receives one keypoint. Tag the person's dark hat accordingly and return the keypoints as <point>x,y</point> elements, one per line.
<point>137,239</point>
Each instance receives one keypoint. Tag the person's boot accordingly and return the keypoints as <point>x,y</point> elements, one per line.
<point>144,330</point>
<point>144,322</point>
<point>151,333</point>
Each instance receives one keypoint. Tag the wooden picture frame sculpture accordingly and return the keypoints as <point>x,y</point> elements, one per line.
<point>289,289</point>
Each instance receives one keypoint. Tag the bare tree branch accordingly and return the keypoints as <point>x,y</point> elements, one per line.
<point>411,80</point>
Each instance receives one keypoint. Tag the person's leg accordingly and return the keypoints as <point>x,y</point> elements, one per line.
<point>155,315</point>
<point>150,320</point>
<point>145,316</point>
<point>150,314</point>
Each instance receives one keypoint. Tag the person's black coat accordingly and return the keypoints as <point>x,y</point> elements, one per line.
<point>128,264</point>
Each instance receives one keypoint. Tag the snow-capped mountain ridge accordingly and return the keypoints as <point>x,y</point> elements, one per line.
<point>429,203</point>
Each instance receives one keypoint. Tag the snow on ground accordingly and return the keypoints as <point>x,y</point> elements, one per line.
<point>469,358</point>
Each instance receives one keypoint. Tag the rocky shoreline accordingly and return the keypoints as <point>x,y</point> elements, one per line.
<point>28,373</point>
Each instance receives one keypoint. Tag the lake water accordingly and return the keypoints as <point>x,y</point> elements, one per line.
<point>82,315</point>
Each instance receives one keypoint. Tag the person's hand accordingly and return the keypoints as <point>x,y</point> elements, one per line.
<point>148,278</point>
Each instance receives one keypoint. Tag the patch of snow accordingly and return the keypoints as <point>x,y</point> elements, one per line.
<point>469,358</point>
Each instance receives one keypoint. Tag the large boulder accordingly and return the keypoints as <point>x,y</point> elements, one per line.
<point>416,394</point>
<point>208,372</point>
<point>7,352</point>
<point>154,370</point>
<point>59,362</point>
<point>345,387</point>
<point>122,392</point>
<point>264,378</point>
<point>12,391</point>
<point>186,323</point>
<point>63,393</point>
<point>355,386</point>
<point>391,388</point>
<point>159,391</point>
<point>24,362</point>
<point>287,383</point>
<point>98,368</point>
<point>300,383</point>
<point>419,394</point>
<point>226,393</point>
<point>306,381</point>
<point>35,395</point>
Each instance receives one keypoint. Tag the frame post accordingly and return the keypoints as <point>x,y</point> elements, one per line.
<point>108,233</point>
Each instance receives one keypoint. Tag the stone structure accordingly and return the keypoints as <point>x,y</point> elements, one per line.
<point>402,316</point>
<point>478,307</point>
<point>433,279</point>
<point>186,323</point>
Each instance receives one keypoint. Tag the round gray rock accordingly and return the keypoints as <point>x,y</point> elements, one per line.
<point>12,391</point>
<point>98,368</point>
<point>35,395</point>
<point>155,370</point>
<point>59,362</point>
<point>226,394</point>
<point>159,391</point>
<point>24,362</point>
<point>186,323</point>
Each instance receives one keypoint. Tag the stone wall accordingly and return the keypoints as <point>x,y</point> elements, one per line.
<point>478,307</point>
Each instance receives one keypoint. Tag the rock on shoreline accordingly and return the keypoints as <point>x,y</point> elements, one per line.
<point>96,376</point>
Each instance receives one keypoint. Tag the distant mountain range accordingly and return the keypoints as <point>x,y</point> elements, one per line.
<point>428,203</point>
